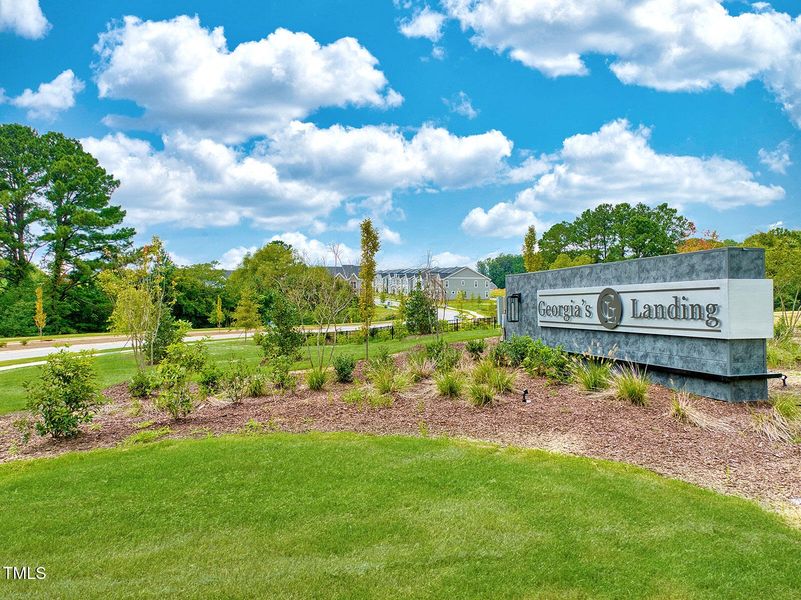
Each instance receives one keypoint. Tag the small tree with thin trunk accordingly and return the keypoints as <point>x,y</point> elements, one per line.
<point>246,313</point>
<point>40,318</point>
<point>217,314</point>
<point>370,246</point>
<point>532,259</point>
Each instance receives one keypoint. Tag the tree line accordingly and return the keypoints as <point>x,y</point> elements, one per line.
<point>610,233</point>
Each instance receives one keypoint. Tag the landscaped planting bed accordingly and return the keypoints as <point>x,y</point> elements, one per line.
<point>729,455</point>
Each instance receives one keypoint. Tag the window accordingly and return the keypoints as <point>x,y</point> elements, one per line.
<point>462,282</point>
<point>486,284</point>
<point>475,283</point>
<point>513,308</point>
<point>446,283</point>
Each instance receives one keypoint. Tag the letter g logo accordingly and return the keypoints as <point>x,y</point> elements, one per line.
<point>610,308</point>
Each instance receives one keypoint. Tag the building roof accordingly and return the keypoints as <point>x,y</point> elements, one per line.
<point>443,272</point>
<point>345,270</point>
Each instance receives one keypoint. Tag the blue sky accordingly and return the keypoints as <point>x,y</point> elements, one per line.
<point>454,124</point>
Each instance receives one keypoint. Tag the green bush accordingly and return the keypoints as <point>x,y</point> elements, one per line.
<point>191,356</point>
<point>421,313</point>
<point>344,364</point>
<point>316,378</point>
<point>631,385</point>
<point>361,396</point>
<point>143,383</point>
<point>175,395</point>
<point>235,381</point>
<point>475,348</point>
<point>444,356</point>
<point>551,363</point>
<point>210,378</point>
<point>450,383</point>
<point>257,384</point>
<point>512,352</point>
<point>170,331</point>
<point>279,373</point>
<point>480,394</point>
<point>64,395</point>
<point>784,353</point>
<point>381,358</point>
<point>592,374</point>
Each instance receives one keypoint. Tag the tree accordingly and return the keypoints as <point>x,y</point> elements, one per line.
<point>609,233</point>
<point>23,179</point>
<point>461,296</point>
<point>782,263</point>
<point>370,244</point>
<point>708,241</point>
<point>40,317</point>
<point>197,289</point>
<point>499,267</point>
<point>217,314</point>
<point>260,271</point>
<point>246,314</point>
<point>421,313</point>
<point>141,294</point>
<point>282,336</point>
<point>532,259</point>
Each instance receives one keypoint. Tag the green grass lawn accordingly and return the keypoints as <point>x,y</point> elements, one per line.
<point>485,307</point>
<point>115,367</point>
<point>349,516</point>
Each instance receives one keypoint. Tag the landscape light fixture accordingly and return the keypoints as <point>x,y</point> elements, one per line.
<point>513,308</point>
<point>525,397</point>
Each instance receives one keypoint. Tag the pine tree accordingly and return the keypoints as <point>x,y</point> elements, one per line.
<point>370,247</point>
<point>40,318</point>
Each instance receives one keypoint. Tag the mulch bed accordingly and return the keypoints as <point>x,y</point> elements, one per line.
<point>737,460</point>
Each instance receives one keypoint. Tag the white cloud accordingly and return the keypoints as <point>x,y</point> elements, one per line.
<point>449,259</point>
<point>316,252</point>
<point>425,23</point>
<point>374,160</point>
<point>461,105</point>
<point>776,160</point>
<point>23,17</point>
<point>776,225</point>
<point>199,182</point>
<point>681,45</point>
<point>617,164</point>
<point>502,220</point>
<point>293,180</point>
<point>184,77</point>
<point>234,257</point>
<point>50,98</point>
<point>389,236</point>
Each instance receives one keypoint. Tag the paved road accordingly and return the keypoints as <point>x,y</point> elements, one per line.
<point>79,344</point>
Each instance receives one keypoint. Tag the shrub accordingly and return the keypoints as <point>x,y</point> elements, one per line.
<point>210,378</point>
<point>279,375</point>
<point>421,314</point>
<point>551,363</point>
<point>344,364</point>
<point>480,394</point>
<point>682,409</point>
<point>143,383</point>
<point>420,366</point>
<point>257,384</point>
<point>475,348</point>
<point>631,385</point>
<point>191,356</point>
<point>482,372</point>
<point>354,396</point>
<point>235,381</point>
<point>64,395</point>
<point>169,332</point>
<point>450,384</point>
<point>592,374</point>
<point>316,378</point>
<point>444,356</point>
<point>175,396</point>
<point>514,351</point>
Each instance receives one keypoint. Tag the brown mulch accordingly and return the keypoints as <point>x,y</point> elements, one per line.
<point>732,458</point>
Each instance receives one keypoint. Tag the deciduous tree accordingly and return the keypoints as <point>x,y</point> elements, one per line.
<point>370,245</point>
